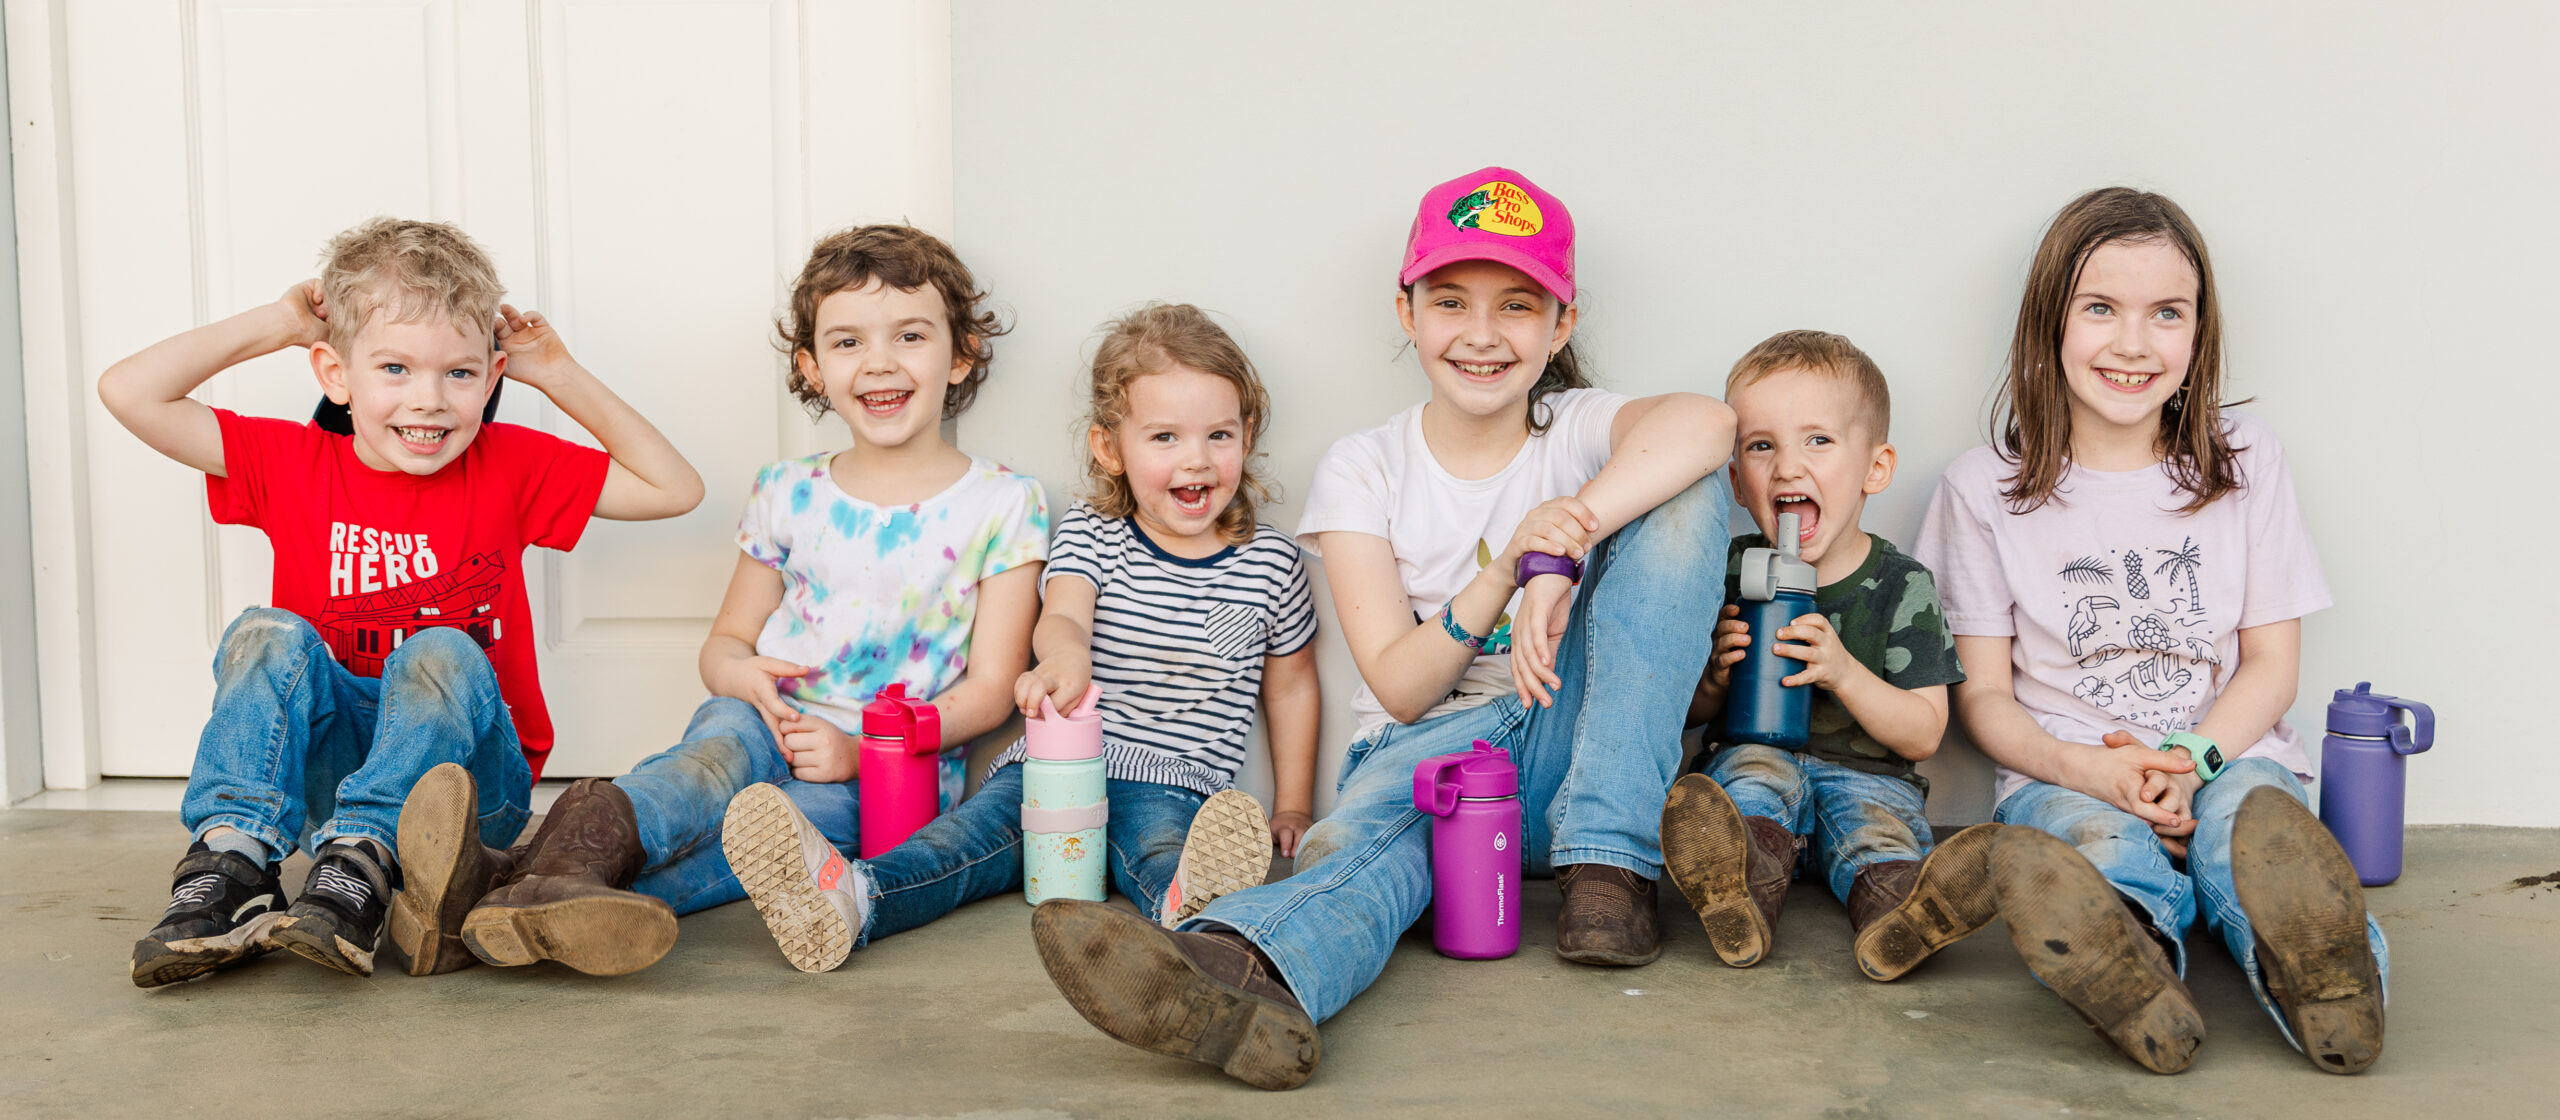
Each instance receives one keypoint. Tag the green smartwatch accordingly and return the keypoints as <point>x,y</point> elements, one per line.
<point>2206,753</point>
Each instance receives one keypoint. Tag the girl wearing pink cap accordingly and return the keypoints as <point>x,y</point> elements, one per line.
<point>1522,559</point>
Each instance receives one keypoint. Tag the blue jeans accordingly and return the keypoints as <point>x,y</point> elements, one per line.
<point>1856,819</point>
<point>2139,867</point>
<point>300,751</point>
<point>681,795</point>
<point>1594,768</point>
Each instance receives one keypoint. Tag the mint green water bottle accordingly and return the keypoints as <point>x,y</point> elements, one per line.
<point>1064,806</point>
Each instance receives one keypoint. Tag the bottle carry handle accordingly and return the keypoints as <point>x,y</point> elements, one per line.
<point>1083,710</point>
<point>2403,741</point>
<point>923,730</point>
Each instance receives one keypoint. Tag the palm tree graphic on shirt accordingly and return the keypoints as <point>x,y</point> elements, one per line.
<point>2183,563</point>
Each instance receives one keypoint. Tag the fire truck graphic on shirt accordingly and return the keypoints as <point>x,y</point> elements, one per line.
<point>364,629</point>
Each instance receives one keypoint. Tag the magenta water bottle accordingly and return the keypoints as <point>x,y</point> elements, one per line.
<point>2364,775</point>
<point>1473,798</point>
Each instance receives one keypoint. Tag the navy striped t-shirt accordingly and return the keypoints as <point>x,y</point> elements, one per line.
<point>1178,643</point>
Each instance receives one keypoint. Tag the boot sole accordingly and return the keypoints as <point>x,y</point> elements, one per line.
<point>610,935</point>
<point>321,945</point>
<point>1952,899</point>
<point>781,859</point>
<point>2304,902</point>
<point>156,963</point>
<point>1707,852</point>
<point>440,854</point>
<point>1227,850</point>
<point>2076,935</point>
<point>1124,974</point>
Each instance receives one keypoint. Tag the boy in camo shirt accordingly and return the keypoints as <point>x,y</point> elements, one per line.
<point>1813,413</point>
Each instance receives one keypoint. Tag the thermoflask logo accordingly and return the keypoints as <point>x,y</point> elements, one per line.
<point>1501,900</point>
<point>1501,840</point>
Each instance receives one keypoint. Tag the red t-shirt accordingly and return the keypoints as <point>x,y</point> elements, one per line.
<point>370,557</point>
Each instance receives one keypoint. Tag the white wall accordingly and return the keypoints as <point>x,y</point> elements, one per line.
<point>2374,181</point>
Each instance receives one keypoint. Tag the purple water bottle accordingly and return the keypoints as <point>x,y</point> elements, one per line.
<point>2364,775</point>
<point>1473,798</point>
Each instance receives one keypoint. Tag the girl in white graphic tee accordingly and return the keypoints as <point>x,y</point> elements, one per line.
<point>2125,573</point>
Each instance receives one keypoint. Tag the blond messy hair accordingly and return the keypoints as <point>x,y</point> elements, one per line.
<point>410,272</point>
<point>1824,353</point>
<point>1153,339</point>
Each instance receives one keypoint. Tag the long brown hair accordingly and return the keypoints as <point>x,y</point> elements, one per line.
<point>2032,417</point>
<point>1151,340</point>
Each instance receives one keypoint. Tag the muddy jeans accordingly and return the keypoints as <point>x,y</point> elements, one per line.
<point>300,750</point>
<point>1594,768</point>
<point>2134,862</point>
<point>681,795</point>
<point>1855,819</point>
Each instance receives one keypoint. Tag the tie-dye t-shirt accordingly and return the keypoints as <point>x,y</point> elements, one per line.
<point>874,595</point>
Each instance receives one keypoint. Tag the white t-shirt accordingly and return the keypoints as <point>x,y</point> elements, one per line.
<point>2126,613</point>
<point>1444,529</point>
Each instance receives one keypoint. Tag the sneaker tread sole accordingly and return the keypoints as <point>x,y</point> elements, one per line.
<point>776,854</point>
<point>1228,850</point>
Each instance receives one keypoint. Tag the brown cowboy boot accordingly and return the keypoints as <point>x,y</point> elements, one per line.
<point>2082,940</point>
<point>2307,908</point>
<point>1608,916</point>
<point>566,901</point>
<point>1733,869</point>
<point>1902,912</point>
<point>447,868</point>
<point>1210,997</point>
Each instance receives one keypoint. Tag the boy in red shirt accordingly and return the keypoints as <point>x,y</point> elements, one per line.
<point>400,635</point>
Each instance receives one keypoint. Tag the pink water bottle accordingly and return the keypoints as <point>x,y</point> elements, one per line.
<point>1473,798</point>
<point>901,769</point>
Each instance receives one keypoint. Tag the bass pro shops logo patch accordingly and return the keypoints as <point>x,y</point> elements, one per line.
<point>1498,207</point>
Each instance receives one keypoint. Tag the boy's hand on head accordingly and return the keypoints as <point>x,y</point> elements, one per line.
<point>1062,683</point>
<point>1287,827</point>
<point>1811,639</point>
<point>534,350</point>
<point>819,751</point>
<point>307,312</point>
<point>1732,644</point>
<point>1536,632</point>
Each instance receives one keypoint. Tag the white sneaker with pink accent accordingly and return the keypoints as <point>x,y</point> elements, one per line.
<point>812,898</point>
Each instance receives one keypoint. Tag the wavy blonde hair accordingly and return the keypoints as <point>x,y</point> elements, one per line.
<point>1153,339</point>
<point>410,271</point>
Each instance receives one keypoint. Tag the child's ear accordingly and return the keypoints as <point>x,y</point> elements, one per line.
<point>1880,473</point>
<point>1106,450</point>
<point>804,370</point>
<point>1404,313</point>
<point>1565,323</point>
<point>331,370</point>
<point>961,365</point>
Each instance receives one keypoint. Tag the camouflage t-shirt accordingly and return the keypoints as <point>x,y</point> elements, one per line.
<point>1887,615</point>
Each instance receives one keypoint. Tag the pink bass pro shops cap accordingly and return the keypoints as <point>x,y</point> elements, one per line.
<point>1496,215</point>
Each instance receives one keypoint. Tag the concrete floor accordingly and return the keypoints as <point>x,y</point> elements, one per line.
<point>957,1019</point>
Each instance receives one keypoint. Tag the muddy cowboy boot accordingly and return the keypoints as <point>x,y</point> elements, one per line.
<point>1733,869</point>
<point>1209,996</point>
<point>2307,909</point>
<point>448,870</point>
<point>1902,912</point>
<point>2087,943</point>
<point>567,899</point>
<point>1608,916</point>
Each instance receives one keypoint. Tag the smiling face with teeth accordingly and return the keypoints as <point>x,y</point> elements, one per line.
<point>884,361</point>
<point>1181,444</point>
<point>1484,332</point>
<point>1802,446</point>
<point>414,391</point>
<point>2127,338</point>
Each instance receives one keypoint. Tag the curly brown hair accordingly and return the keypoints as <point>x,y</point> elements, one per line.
<point>1156,338</point>
<point>905,258</point>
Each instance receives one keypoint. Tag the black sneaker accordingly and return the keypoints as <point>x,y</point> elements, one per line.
<point>222,905</point>
<point>338,920</point>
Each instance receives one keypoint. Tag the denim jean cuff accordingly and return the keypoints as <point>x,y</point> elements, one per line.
<point>1565,857</point>
<point>1291,963</point>
<point>345,830</point>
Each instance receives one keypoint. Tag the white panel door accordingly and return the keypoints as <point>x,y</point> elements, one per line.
<point>649,174</point>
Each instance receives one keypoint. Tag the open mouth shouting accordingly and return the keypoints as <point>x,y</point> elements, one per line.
<point>1808,513</point>
<point>2126,380</point>
<point>884,402</point>
<point>420,440</point>
<point>1192,501</point>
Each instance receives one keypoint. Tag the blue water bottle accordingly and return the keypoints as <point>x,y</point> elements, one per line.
<point>1777,588</point>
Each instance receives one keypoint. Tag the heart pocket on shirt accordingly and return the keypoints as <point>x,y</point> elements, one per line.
<point>1234,630</point>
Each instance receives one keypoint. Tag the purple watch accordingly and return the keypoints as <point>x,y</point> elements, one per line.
<point>1535,564</point>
